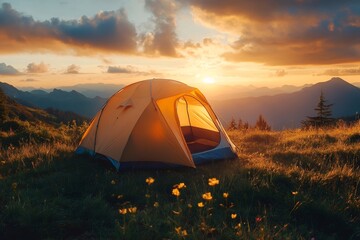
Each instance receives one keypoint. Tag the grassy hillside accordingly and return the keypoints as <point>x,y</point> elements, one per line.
<point>285,185</point>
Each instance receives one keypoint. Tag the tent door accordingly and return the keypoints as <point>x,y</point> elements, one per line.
<point>198,128</point>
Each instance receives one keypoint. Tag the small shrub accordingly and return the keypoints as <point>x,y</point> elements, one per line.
<point>10,126</point>
<point>352,139</point>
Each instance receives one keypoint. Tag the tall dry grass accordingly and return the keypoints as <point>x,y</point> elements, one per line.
<point>291,184</point>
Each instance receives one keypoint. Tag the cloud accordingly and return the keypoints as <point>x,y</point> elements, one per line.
<point>108,31</point>
<point>290,32</point>
<point>7,70</point>
<point>127,69</point>
<point>37,68</point>
<point>131,70</point>
<point>29,80</point>
<point>280,73</point>
<point>341,72</point>
<point>106,61</point>
<point>72,69</point>
<point>190,44</point>
<point>163,40</point>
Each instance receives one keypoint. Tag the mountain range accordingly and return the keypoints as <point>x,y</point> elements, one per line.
<point>212,91</point>
<point>50,116</point>
<point>215,91</point>
<point>288,110</point>
<point>284,110</point>
<point>89,90</point>
<point>57,99</point>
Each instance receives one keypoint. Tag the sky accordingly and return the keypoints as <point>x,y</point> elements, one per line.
<point>51,43</point>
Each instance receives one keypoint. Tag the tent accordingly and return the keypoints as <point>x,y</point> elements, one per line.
<point>156,123</point>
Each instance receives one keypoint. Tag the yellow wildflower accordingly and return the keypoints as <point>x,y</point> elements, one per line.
<point>123,211</point>
<point>156,204</point>
<point>180,185</point>
<point>225,195</point>
<point>294,193</point>
<point>132,210</point>
<point>181,232</point>
<point>176,192</point>
<point>113,182</point>
<point>213,181</point>
<point>200,204</point>
<point>178,230</point>
<point>233,215</point>
<point>150,180</point>
<point>207,196</point>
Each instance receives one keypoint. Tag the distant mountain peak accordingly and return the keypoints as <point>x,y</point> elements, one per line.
<point>337,79</point>
<point>335,82</point>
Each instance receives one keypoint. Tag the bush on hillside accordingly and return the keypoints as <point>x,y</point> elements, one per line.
<point>353,138</point>
<point>261,124</point>
<point>3,107</point>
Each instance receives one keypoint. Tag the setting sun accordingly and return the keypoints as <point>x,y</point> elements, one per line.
<point>208,80</point>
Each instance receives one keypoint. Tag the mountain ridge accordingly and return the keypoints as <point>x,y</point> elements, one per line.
<point>90,90</point>
<point>66,101</point>
<point>288,110</point>
<point>285,110</point>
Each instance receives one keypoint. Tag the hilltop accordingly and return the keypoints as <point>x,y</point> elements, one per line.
<point>25,124</point>
<point>295,184</point>
<point>57,99</point>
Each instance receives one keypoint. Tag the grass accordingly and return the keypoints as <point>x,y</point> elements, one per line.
<point>285,185</point>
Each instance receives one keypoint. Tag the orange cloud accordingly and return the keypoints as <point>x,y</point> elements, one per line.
<point>285,32</point>
<point>163,40</point>
<point>280,73</point>
<point>73,69</point>
<point>37,68</point>
<point>130,70</point>
<point>341,72</point>
<point>106,31</point>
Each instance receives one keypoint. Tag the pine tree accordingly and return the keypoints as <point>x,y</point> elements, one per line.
<point>240,124</point>
<point>3,108</point>
<point>262,124</point>
<point>323,117</point>
<point>246,126</point>
<point>232,125</point>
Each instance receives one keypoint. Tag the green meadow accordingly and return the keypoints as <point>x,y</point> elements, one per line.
<point>291,184</point>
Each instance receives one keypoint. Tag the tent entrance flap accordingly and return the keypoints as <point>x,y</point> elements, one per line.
<point>198,128</point>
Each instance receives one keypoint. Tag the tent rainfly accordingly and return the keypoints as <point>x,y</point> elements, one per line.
<point>156,123</point>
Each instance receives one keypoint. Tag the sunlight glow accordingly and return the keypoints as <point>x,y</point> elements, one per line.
<point>208,80</point>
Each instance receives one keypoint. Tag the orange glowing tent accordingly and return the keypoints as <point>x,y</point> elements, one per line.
<point>156,123</point>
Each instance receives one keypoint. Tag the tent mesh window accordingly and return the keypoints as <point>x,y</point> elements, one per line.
<point>197,126</point>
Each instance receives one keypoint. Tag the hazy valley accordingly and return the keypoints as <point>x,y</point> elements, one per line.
<point>283,107</point>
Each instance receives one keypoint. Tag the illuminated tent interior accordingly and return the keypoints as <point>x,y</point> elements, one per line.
<point>157,123</point>
<point>198,128</point>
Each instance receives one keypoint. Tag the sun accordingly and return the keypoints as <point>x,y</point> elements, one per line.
<point>208,80</point>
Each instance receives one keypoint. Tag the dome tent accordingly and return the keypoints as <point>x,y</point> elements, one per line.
<point>154,123</point>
